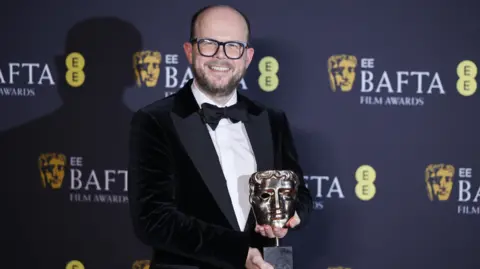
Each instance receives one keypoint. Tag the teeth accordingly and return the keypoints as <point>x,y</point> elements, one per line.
<point>219,68</point>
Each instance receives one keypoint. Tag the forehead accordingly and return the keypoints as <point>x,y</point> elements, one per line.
<point>222,24</point>
<point>275,183</point>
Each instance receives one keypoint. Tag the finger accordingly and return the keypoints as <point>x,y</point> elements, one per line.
<point>260,263</point>
<point>266,265</point>
<point>280,233</point>
<point>254,266</point>
<point>269,232</point>
<point>262,231</point>
<point>257,261</point>
<point>294,221</point>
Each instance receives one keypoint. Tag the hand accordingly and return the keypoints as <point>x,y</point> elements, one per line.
<point>267,231</point>
<point>255,260</point>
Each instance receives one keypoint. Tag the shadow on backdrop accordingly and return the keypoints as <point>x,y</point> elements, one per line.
<point>92,123</point>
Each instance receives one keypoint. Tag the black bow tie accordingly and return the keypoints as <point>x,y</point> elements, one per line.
<point>212,114</point>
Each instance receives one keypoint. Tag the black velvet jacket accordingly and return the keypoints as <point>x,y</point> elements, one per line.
<point>178,197</point>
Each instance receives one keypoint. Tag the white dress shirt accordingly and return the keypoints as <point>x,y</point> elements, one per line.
<point>235,155</point>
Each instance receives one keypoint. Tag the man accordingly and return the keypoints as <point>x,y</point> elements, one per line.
<point>188,186</point>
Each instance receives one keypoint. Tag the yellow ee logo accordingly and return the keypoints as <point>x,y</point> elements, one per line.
<point>75,265</point>
<point>75,64</point>
<point>268,80</point>
<point>365,188</point>
<point>466,83</point>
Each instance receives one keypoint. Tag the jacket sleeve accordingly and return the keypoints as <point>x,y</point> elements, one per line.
<point>304,201</point>
<point>156,219</point>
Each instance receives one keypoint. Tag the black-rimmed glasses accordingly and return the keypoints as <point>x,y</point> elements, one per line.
<point>209,47</point>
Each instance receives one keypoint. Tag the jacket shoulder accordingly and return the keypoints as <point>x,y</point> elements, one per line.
<point>158,108</point>
<point>277,116</point>
<point>275,113</point>
<point>157,111</point>
<point>271,110</point>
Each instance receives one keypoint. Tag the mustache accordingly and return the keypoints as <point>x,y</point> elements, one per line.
<point>220,63</point>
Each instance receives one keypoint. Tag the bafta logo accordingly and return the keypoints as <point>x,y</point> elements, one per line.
<point>147,67</point>
<point>439,181</point>
<point>52,169</point>
<point>341,72</point>
<point>141,264</point>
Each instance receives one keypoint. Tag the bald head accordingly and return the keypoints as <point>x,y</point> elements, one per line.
<point>219,50</point>
<point>222,18</point>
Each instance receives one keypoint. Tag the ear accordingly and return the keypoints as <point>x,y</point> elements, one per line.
<point>250,52</point>
<point>187,47</point>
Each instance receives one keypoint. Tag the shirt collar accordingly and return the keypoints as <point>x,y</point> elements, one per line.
<point>201,98</point>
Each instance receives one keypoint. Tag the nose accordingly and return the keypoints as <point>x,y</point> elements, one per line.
<point>276,201</point>
<point>220,53</point>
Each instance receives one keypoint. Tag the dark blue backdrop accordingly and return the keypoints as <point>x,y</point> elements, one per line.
<point>381,96</point>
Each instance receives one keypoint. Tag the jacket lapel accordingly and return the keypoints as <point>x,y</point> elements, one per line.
<point>197,142</point>
<point>195,138</point>
<point>259,132</point>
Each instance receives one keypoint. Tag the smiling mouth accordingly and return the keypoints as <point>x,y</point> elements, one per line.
<point>218,68</point>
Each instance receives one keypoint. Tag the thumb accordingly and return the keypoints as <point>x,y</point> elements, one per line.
<point>294,221</point>
<point>258,261</point>
<point>266,265</point>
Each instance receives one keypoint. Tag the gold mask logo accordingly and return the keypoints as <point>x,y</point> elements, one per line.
<point>147,67</point>
<point>52,169</point>
<point>439,181</point>
<point>141,264</point>
<point>341,72</point>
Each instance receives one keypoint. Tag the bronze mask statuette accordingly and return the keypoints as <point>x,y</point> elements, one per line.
<point>272,195</point>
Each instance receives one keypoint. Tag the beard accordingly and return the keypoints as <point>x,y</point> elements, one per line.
<point>216,90</point>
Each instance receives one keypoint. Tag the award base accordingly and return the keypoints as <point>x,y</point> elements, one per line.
<point>279,257</point>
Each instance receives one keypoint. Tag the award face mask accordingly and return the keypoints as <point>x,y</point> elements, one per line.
<point>272,196</point>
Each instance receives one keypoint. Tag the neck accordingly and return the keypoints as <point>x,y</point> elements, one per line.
<point>217,98</point>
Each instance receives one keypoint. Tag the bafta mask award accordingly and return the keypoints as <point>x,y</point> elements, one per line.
<point>272,196</point>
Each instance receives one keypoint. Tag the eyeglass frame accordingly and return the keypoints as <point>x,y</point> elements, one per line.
<point>245,46</point>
